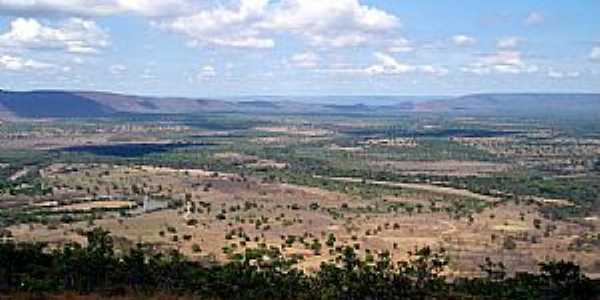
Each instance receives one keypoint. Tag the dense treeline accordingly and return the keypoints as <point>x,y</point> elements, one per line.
<point>582,191</point>
<point>261,274</point>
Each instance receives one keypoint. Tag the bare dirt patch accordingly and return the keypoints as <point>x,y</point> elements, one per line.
<point>21,173</point>
<point>295,130</point>
<point>96,205</point>
<point>397,142</point>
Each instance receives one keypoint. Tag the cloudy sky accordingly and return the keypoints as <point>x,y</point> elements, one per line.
<point>300,47</point>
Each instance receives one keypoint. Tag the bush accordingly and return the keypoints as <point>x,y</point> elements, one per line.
<point>509,243</point>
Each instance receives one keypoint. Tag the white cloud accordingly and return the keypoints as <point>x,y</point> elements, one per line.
<point>340,23</point>
<point>555,74</point>
<point>49,7</point>
<point>156,8</point>
<point>305,60</point>
<point>46,8</point>
<point>502,62</point>
<point>464,40</point>
<point>235,27</point>
<point>15,63</point>
<point>117,69</point>
<point>433,70</point>
<point>401,45</point>
<point>74,36</point>
<point>595,54</point>
<point>252,23</point>
<point>510,42</point>
<point>535,18</point>
<point>560,75</point>
<point>234,23</point>
<point>207,72</point>
<point>388,65</point>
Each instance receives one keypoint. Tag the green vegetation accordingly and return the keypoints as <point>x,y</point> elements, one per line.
<point>96,268</point>
<point>582,191</point>
<point>437,139</point>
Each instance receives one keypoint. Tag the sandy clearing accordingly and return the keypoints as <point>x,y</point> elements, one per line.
<point>302,131</point>
<point>558,202</point>
<point>95,205</point>
<point>196,172</point>
<point>511,228</point>
<point>335,147</point>
<point>19,174</point>
<point>166,170</point>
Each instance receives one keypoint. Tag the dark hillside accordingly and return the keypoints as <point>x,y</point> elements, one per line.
<point>52,104</point>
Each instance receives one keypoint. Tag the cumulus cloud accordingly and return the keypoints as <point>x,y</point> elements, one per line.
<point>340,23</point>
<point>595,54</point>
<point>510,42</point>
<point>15,63</point>
<point>305,60</point>
<point>80,8</point>
<point>535,18</point>
<point>235,27</point>
<point>235,23</point>
<point>154,8</point>
<point>463,40</point>
<point>75,36</point>
<point>502,62</point>
<point>388,65</point>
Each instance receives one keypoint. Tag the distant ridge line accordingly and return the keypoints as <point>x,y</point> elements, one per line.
<point>93,104</point>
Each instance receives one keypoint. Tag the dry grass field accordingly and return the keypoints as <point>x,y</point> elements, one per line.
<point>85,206</point>
<point>222,214</point>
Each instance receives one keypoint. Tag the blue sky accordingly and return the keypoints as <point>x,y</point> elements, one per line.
<point>300,47</point>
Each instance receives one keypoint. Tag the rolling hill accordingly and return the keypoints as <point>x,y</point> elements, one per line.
<point>65,104</point>
<point>517,104</point>
<point>51,104</point>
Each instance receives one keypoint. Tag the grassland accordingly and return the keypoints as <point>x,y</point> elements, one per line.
<point>516,190</point>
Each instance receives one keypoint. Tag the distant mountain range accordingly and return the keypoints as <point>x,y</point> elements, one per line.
<point>65,104</point>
